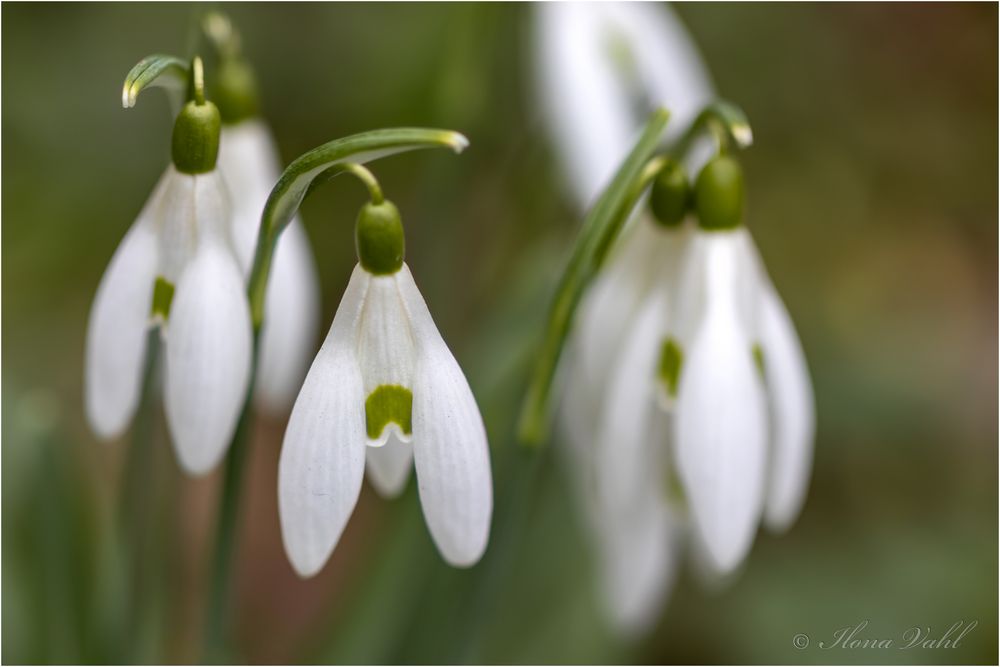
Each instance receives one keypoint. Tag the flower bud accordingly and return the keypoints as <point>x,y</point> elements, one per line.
<point>669,196</point>
<point>235,91</point>
<point>718,194</point>
<point>379,236</point>
<point>195,145</point>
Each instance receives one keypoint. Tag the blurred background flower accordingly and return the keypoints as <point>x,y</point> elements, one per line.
<point>871,192</point>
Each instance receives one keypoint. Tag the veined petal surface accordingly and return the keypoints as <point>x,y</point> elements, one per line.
<point>208,357</point>
<point>119,320</point>
<point>322,459</point>
<point>449,441</point>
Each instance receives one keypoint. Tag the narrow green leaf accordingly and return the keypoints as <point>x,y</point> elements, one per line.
<point>600,228</point>
<point>157,70</point>
<point>319,165</point>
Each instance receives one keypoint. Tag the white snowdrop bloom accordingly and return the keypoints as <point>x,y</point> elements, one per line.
<point>384,388</point>
<point>176,268</point>
<point>248,161</point>
<point>721,425</point>
<point>601,67</point>
<point>704,415</point>
<point>613,419</point>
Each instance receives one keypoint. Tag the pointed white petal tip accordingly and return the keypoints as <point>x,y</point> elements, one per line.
<point>391,431</point>
<point>322,460</point>
<point>388,468</point>
<point>450,448</point>
<point>208,357</point>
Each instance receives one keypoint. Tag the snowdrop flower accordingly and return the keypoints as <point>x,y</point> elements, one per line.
<point>710,349</point>
<point>176,269</point>
<point>386,392</point>
<point>601,67</point>
<point>248,161</point>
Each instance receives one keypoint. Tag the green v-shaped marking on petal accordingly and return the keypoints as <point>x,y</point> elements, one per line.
<point>669,370</point>
<point>388,403</point>
<point>163,295</point>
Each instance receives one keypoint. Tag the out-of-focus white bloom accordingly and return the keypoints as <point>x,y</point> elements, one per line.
<point>179,247</point>
<point>384,388</point>
<point>248,161</point>
<point>721,426</point>
<point>601,67</point>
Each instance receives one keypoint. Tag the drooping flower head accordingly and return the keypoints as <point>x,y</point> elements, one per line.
<point>176,269</point>
<point>688,400</point>
<point>384,393</point>
<point>601,68</point>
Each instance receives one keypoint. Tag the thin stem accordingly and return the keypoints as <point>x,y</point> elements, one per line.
<point>133,502</point>
<point>368,178</point>
<point>217,630</point>
<point>601,226</point>
<point>322,162</point>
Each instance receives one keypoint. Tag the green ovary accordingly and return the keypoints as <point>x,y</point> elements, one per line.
<point>388,403</point>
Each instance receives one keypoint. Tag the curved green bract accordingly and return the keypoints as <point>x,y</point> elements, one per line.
<point>600,228</point>
<point>157,70</point>
<point>326,161</point>
<point>389,403</point>
<point>725,120</point>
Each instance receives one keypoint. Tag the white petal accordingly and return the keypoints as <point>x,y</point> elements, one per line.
<point>638,559</point>
<point>790,399</point>
<point>389,466</point>
<point>610,305</point>
<point>386,344</point>
<point>249,163</point>
<point>323,455</point>
<point>625,441</point>
<point>667,61</point>
<point>594,103</point>
<point>721,414</point>
<point>449,441</point>
<point>288,339</point>
<point>792,413</point>
<point>119,320</point>
<point>194,207</point>
<point>209,341</point>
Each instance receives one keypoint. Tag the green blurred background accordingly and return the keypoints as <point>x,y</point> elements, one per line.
<point>873,196</point>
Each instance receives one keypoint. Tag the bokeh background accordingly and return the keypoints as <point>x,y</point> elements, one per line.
<point>873,196</point>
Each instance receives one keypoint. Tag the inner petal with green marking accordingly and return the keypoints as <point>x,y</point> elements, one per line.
<point>389,404</point>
